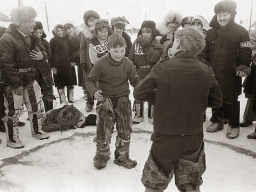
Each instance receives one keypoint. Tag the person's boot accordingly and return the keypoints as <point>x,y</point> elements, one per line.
<point>36,127</point>
<point>12,134</point>
<point>150,113</point>
<point>252,135</point>
<point>232,132</point>
<point>62,96</point>
<point>2,128</point>
<point>139,113</point>
<point>122,154</point>
<point>214,127</point>
<point>70,94</point>
<point>245,123</point>
<point>102,156</point>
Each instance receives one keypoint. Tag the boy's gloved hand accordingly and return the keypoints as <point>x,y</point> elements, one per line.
<point>144,43</point>
<point>98,95</point>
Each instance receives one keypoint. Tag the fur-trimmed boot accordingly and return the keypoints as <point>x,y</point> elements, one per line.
<point>122,154</point>
<point>139,112</point>
<point>12,134</point>
<point>102,156</point>
<point>36,127</point>
<point>153,178</point>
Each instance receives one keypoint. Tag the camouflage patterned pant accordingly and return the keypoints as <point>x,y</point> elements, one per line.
<point>186,165</point>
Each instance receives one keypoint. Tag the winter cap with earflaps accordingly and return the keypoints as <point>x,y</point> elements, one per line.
<point>119,22</point>
<point>39,25</point>
<point>225,6</point>
<point>101,23</point>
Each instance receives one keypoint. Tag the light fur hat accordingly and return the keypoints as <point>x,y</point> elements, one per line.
<point>206,25</point>
<point>171,17</point>
<point>20,15</point>
<point>119,22</point>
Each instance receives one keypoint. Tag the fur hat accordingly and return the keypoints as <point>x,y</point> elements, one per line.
<point>186,20</point>
<point>225,6</point>
<point>253,35</point>
<point>101,23</point>
<point>149,24</point>
<point>119,22</point>
<point>39,25</point>
<point>90,13</point>
<point>171,17</point>
<point>205,24</point>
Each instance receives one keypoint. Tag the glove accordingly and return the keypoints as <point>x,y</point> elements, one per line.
<point>144,43</point>
<point>98,95</point>
<point>243,70</point>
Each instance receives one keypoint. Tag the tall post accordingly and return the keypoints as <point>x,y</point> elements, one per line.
<point>20,3</point>
<point>251,16</point>
<point>46,16</point>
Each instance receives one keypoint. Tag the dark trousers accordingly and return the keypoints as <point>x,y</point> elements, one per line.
<point>231,107</point>
<point>249,114</point>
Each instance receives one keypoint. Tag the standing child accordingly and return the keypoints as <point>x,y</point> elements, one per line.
<point>97,49</point>
<point>112,72</point>
<point>63,70</point>
<point>145,53</point>
<point>42,67</point>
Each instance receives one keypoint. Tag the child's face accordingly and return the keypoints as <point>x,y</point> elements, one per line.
<point>102,33</point>
<point>90,21</point>
<point>197,24</point>
<point>186,25</point>
<point>223,18</point>
<point>60,32</point>
<point>38,33</point>
<point>172,26</point>
<point>70,31</point>
<point>147,33</point>
<point>117,53</point>
<point>118,31</point>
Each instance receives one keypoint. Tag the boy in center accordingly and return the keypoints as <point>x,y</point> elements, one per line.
<point>112,73</point>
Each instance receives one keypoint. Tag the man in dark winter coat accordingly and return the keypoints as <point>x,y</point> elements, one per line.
<point>229,53</point>
<point>2,107</point>
<point>17,66</point>
<point>181,89</point>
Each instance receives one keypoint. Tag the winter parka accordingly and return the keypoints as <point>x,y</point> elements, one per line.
<point>227,50</point>
<point>15,51</point>
<point>61,60</point>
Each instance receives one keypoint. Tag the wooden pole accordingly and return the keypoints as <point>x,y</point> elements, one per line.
<point>20,3</point>
<point>251,16</point>
<point>46,16</point>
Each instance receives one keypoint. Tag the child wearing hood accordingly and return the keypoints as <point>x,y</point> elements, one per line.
<point>63,70</point>
<point>144,54</point>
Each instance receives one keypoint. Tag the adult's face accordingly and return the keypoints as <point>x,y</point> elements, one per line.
<point>172,26</point>
<point>223,18</point>
<point>27,27</point>
<point>60,32</point>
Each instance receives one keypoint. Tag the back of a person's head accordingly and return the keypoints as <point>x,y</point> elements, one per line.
<point>191,40</point>
<point>20,15</point>
<point>115,41</point>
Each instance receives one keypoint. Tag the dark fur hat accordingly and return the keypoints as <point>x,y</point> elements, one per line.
<point>90,13</point>
<point>225,6</point>
<point>149,24</point>
<point>119,22</point>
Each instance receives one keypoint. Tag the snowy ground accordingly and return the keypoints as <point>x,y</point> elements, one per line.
<point>65,161</point>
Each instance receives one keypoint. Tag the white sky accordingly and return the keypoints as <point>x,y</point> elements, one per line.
<point>61,11</point>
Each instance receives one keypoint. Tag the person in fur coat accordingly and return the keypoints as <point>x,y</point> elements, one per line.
<point>63,69</point>
<point>89,18</point>
<point>118,25</point>
<point>167,29</point>
<point>144,54</point>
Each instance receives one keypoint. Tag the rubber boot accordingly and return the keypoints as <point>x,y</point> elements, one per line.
<point>70,92</point>
<point>12,134</point>
<point>62,95</point>
<point>122,154</point>
<point>139,113</point>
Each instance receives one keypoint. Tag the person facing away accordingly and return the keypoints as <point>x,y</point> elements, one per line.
<point>112,72</point>
<point>17,66</point>
<point>181,88</point>
<point>229,54</point>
